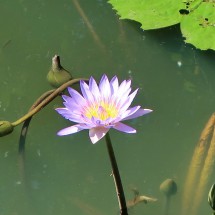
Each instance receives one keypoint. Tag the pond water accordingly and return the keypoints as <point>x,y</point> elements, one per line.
<point>69,175</point>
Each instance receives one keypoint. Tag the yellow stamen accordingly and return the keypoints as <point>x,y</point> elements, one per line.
<point>101,111</point>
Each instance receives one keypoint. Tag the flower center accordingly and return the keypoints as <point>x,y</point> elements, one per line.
<point>101,111</point>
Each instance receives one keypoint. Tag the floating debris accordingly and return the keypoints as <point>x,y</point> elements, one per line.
<point>139,199</point>
<point>179,63</point>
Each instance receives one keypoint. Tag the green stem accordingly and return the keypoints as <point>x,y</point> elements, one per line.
<point>27,121</point>
<point>116,176</point>
<point>46,101</point>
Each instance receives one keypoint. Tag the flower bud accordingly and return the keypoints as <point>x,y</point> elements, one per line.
<point>5,128</point>
<point>57,74</point>
<point>168,187</point>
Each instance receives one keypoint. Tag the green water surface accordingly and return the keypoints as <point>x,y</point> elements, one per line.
<point>69,175</point>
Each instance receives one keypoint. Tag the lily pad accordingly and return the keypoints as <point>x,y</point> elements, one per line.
<point>199,27</point>
<point>152,14</point>
<point>197,17</point>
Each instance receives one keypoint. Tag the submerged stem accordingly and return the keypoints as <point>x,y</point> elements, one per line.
<point>88,24</point>
<point>166,205</point>
<point>116,176</point>
<point>27,121</point>
<point>46,101</point>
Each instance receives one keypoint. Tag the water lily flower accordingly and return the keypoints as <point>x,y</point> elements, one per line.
<point>100,107</point>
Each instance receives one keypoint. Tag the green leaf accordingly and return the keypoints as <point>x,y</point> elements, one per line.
<point>199,27</point>
<point>197,17</point>
<point>152,14</point>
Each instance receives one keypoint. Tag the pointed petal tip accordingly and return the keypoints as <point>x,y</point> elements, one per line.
<point>94,141</point>
<point>60,133</point>
<point>97,133</point>
<point>70,130</point>
<point>148,110</point>
<point>104,76</point>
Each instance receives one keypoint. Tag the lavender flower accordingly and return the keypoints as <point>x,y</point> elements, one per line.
<point>100,108</point>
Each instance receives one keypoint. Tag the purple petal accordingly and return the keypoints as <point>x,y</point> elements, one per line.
<point>124,86</point>
<point>114,85</point>
<point>121,88</point>
<point>72,116</point>
<point>71,104</point>
<point>86,92</point>
<point>97,133</point>
<point>104,87</point>
<point>94,88</point>
<point>70,130</point>
<point>124,128</point>
<point>70,101</point>
<point>138,113</point>
<point>96,122</point>
<point>124,106</point>
<point>64,112</point>
<point>122,99</point>
<point>67,98</point>
<point>77,97</point>
<point>129,112</point>
<point>73,107</point>
<point>123,91</point>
